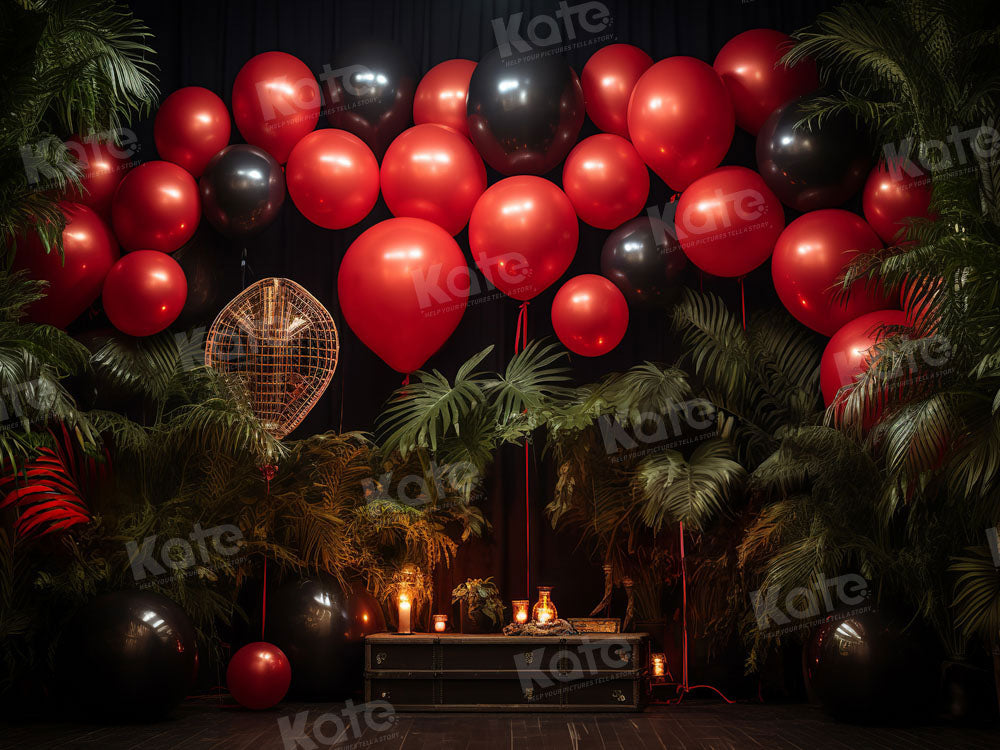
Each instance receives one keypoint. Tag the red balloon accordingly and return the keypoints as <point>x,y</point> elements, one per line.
<point>258,675</point>
<point>608,79</point>
<point>848,354</point>
<point>144,292</point>
<point>680,119</point>
<point>893,194</point>
<point>403,287</point>
<point>809,258</point>
<point>104,164</point>
<point>75,280</point>
<point>728,221</point>
<point>156,207</point>
<point>276,101</point>
<point>431,172</point>
<point>590,315</point>
<point>442,93</point>
<point>605,180</point>
<point>523,234</point>
<point>192,126</point>
<point>332,177</point>
<point>757,83</point>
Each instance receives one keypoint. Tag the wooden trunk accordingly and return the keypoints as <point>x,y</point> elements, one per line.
<point>452,672</point>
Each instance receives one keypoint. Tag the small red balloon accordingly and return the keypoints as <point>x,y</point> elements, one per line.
<point>680,120</point>
<point>104,163</point>
<point>276,101</point>
<point>605,180</point>
<point>810,256</point>
<point>590,315</point>
<point>728,221</point>
<point>442,93</point>
<point>848,352</point>
<point>523,235</point>
<point>156,207</point>
<point>403,287</point>
<point>333,178</point>
<point>258,675</point>
<point>144,292</point>
<point>75,279</point>
<point>894,193</point>
<point>191,126</point>
<point>608,79</point>
<point>431,172</point>
<point>758,84</point>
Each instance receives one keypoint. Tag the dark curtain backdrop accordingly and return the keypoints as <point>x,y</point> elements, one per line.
<point>204,43</point>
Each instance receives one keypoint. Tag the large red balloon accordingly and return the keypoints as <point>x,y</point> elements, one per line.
<point>680,119</point>
<point>809,258</point>
<point>605,180</point>
<point>431,172</point>
<point>144,292</point>
<point>590,315</point>
<point>403,287</point>
<point>332,177</point>
<point>104,164</point>
<point>191,126</point>
<point>156,207</point>
<point>523,235</point>
<point>893,194</point>
<point>276,101</point>
<point>258,675</point>
<point>728,221</point>
<point>75,280</point>
<point>442,94</point>
<point>848,354</point>
<point>608,79</point>
<point>757,82</point>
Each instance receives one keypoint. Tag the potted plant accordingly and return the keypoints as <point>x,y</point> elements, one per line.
<point>480,605</point>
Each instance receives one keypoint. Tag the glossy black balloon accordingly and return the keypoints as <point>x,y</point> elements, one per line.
<point>812,169</point>
<point>645,261</point>
<point>320,629</point>
<point>242,190</point>
<point>524,115</point>
<point>128,654</point>
<point>370,92</point>
<point>866,669</point>
<point>202,259</point>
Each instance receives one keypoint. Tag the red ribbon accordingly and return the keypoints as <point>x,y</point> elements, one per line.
<point>520,343</point>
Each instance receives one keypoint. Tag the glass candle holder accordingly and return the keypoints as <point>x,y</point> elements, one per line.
<point>404,614</point>
<point>440,623</point>
<point>544,611</point>
<point>659,666</point>
<point>520,610</point>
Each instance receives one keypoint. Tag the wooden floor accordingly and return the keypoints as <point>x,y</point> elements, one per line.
<point>206,725</point>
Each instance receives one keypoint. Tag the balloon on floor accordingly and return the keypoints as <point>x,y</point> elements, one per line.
<point>644,260</point>
<point>524,114</point>
<point>258,675</point>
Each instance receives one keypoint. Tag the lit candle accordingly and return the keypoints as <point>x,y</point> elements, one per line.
<point>544,615</point>
<point>659,665</point>
<point>520,607</point>
<point>440,623</point>
<point>404,614</point>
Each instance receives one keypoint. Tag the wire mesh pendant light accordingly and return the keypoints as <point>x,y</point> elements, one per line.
<point>281,344</point>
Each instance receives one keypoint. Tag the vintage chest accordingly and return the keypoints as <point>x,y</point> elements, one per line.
<point>451,672</point>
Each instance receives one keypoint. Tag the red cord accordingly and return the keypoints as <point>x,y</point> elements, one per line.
<point>520,343</point>
<point>263,601</point>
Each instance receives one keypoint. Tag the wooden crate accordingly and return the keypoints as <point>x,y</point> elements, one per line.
<point>452,672</point>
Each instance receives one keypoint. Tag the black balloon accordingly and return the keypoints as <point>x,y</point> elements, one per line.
<point>645,261</point>
<point>202,260</point>
<point>128,654</point>
<point>242,190</point>
<point>321,630</point>
<point>812,169</point>
<point>864,669</point>
<point>524,116</point>
<point>370,92</point>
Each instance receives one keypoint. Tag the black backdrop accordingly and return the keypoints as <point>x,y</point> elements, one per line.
<point>204,43</point>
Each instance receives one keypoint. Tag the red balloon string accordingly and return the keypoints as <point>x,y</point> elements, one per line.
<point>743,304</point>
<point>269,471</point>
<point>406,380</point>
<point>520,343</point>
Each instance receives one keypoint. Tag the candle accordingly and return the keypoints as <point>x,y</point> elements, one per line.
<point>659,665</point>
<point>544,615</point>
<point>440,623</point>
<point>544,611</point>
<point>404,614</point>
<point>520,607</point>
